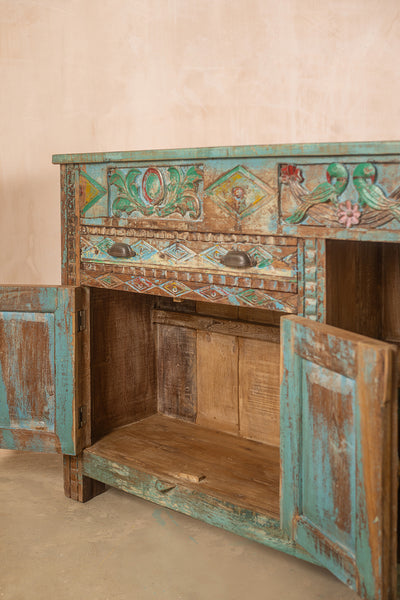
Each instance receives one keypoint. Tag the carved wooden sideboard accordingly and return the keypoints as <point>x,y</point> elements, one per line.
<point>225,344</point>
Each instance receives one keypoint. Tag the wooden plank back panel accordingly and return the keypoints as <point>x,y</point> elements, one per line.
<point>217,381</point>
<point>259,390</point>
<point>176,372</point>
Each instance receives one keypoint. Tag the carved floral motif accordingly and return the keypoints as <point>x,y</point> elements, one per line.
<point>157,192</point>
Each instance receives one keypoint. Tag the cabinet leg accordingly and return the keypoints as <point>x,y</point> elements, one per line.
<point>76,485</point>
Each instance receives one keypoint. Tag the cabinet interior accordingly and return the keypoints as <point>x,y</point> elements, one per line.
<point>188,392</point>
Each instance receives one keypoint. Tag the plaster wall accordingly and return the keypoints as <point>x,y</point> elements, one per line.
<point>102,75</point>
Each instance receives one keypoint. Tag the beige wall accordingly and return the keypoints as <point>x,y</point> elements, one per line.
<point>94,75</point>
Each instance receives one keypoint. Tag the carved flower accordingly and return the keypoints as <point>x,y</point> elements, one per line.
<point>290,173</point>
<point>238,192</point>
<point>348,214</point>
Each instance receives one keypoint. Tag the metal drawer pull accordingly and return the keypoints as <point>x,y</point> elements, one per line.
<point>238,259</point>
<point>120,250</point>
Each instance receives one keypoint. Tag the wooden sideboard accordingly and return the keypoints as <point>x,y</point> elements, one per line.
<point>224,343</point>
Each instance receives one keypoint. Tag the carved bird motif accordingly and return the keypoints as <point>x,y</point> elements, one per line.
<point>372,195</point>
<point>337,178</point>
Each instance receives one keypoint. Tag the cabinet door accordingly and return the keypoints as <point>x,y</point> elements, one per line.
<point>42,368</point>
<point>339,453</point>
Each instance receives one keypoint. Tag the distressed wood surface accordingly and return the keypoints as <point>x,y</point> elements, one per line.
<point>123,377</point>
<point>354,286</point>
<point>172,284</point>
<point>259,390</point>
<point>229,516</point>
<point>214,325</point>
<point>41,384</point>
<point>269,261</point>
<point>176,372</point>
<point>312,150</point>
<point>217,381</point>
<point>339,452</point>
<point>240,471</point>
<point>78,486</point>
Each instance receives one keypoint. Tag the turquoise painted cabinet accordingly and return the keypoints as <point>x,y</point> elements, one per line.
<point>225,344</point>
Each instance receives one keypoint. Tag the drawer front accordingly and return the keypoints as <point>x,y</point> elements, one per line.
<point>219,195</point>
<point>190,267</point>
<point>270,266</point>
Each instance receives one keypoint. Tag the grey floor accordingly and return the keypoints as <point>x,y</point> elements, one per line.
<point>120,547</point>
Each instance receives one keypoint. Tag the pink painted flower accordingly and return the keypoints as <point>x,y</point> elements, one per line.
<point>348,214</point>
<point>290,173</point>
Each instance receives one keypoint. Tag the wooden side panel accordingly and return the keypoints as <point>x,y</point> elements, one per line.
<point>339,445</point>
<point>259,390</point>
<point>123,377</point>
<point>391,287</point>
<point>176,365</point>
<point>217,381</point>
<point>353,287</point>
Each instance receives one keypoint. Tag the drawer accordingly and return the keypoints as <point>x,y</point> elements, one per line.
<point>195,266</point>
<point>271,266</point>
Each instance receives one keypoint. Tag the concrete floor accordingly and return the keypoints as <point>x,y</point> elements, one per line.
<point>120,547</point>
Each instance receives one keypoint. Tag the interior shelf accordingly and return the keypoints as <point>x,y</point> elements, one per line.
<point>225,466</point>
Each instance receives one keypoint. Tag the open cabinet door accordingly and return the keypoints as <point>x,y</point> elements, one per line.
<point>339,453</point>
<point>43,383</point>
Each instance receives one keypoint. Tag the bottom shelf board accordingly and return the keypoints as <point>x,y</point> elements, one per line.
<point>240,471</point>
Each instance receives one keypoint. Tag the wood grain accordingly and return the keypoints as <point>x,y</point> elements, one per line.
<point>259,390</point>
<point>391,291</point>
<point>176,372</point>
<point>353,286</point>
<point>240,471</point>
<point>217,381</point>
<point>214,325</point>
<point>123,359</point>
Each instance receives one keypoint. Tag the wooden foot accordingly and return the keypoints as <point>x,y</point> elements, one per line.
<point>76,485</point>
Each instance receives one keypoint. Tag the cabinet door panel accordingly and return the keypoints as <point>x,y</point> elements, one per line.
<point>39,371</point>
<point>339,452</point>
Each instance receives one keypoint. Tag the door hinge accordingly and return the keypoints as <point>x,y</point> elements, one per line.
<point>80,418</point>
<point>81,320</point>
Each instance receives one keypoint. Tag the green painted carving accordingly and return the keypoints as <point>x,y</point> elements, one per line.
<point>158,192</point>
<point>373,207</point>
<point>329,191</point>
<point>371,195</point>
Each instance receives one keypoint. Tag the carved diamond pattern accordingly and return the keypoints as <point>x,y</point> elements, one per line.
<point>178,252</point>
<point>214,254</point>
<point>140,284</point>
<point>104,244</point>
<point>254,297</point>
<point>175,288</point>
<point>262,257</point>
<point>109,281</point>
<point>212,292</point>
<point>240,193</point>
<point>144,250</point>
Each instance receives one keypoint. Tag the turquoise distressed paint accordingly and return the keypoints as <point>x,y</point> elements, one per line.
<point>65,376</point>
<point>52,309</point>
<point>279,150</point>
<point>310,445</point>
<point>225,515</point>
